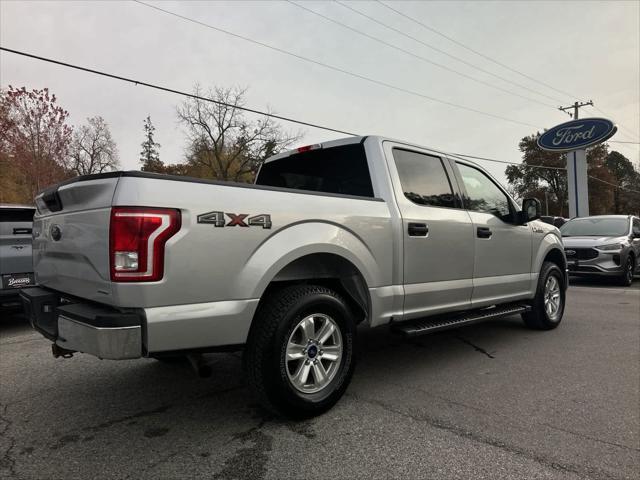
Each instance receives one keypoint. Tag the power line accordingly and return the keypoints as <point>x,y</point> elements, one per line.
<point>336,69</point>
<point>433,30</point>
<point>537,166</point>
<point>486,159</point>
<point>252,110</point>
<point>171,90</point>
<point>453,40</point>
<point>424,59</point>
<point>458,59</point>
<point>622,127</point>
<point>614,184</point>
<point>466,47</point>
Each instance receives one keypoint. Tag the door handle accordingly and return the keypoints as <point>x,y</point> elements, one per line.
<point>484,232</point>
<point>418,229</point>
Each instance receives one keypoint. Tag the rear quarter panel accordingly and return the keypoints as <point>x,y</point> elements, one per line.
<point>204,263</point>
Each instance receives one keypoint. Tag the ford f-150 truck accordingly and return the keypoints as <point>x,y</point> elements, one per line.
<point>367,229</point>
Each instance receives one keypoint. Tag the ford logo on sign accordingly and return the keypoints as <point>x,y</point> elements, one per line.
<point>577,134</point>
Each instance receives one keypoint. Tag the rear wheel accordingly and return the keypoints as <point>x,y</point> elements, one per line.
<point>548,304</point>
<point>626,279</point>
<point>299,356</point>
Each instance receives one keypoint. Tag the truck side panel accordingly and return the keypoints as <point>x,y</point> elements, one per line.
<point>205,263</point>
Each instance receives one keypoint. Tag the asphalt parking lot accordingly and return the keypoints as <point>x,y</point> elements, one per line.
<point>487,401</point>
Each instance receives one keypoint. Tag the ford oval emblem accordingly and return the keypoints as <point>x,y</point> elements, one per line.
<point>577,134</point>
<point>56,233</point>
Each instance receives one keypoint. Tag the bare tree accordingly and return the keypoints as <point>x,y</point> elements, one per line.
<point>92,149</point>
<point>221,142</point>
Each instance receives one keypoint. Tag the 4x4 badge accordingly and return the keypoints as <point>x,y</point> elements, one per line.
<point>217,219</point>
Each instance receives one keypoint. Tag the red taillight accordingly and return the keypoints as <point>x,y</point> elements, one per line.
<point>308,148</point>
<point>137,236</point>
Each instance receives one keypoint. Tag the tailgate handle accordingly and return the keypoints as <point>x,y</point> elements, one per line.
<point>418,229</point>
<point>22,231</point>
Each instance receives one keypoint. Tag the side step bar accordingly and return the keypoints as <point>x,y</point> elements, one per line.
<point>423,326</point>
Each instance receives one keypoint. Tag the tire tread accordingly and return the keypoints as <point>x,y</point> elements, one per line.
<point>260,337</point>
<point>536,318</point>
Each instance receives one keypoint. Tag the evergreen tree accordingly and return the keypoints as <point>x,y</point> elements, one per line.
<point>150,155</point>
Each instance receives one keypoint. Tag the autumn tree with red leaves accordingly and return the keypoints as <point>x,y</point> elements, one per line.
<point>34,142</point>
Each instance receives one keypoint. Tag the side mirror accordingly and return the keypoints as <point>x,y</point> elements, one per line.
<point>531,210</point>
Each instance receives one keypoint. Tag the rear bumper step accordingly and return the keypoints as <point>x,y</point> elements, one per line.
<point>424,326</point>
<point>78,327</point>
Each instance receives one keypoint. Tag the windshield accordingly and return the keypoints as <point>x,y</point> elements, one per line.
<point>595,227</point>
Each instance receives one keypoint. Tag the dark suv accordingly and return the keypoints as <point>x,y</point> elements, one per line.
<point>16,264</point>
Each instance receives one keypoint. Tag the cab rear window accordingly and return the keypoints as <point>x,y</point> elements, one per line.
<point>338,170</point>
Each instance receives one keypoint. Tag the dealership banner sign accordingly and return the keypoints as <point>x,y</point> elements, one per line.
<point>577,134</point>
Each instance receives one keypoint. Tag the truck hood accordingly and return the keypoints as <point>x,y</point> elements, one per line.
<point>588,242</point>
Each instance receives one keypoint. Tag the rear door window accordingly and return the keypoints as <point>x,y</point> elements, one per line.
<point>424,179</point>
<point>339,170</point>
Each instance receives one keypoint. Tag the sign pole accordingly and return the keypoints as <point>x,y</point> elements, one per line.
<point>577,181</point>
<point>577,178</point>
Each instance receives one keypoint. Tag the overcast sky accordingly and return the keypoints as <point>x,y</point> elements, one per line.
<point>590,50</point>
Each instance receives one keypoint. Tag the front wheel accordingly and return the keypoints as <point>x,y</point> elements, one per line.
<point>299,356</point>
<point>547,307</point>
<point>626,279</point>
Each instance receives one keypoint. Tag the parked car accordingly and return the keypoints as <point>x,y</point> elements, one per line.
<point>16,264</point>
<point>604,245</point>
<point>133,264</point>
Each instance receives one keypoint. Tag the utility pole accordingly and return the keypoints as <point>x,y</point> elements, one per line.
<point>575,106</point>
<point>577,171</point>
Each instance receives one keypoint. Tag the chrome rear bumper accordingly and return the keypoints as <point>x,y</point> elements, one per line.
<point>98,330</point>
<point>115,343</point>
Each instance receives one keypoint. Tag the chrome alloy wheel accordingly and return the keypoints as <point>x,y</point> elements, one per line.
<point>629,271</point>
<point>552,298</point>
<point>314,351</point>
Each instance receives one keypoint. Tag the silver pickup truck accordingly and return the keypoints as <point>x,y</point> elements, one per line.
<point>361,230</point>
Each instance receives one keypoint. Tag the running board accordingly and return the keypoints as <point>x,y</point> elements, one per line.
<point>423,326</point>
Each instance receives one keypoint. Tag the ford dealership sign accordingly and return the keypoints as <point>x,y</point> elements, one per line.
<point>577,134</point>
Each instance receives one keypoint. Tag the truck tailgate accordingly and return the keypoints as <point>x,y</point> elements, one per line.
<point>71,238</point>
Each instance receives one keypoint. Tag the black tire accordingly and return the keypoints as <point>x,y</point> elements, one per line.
<point>538,318</point>
<point>264,357</point>
<point>626,279</point>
